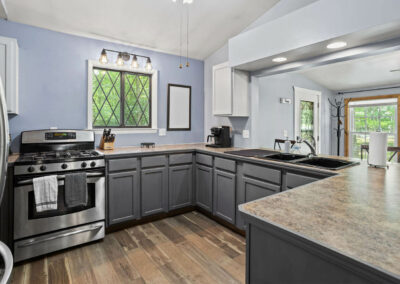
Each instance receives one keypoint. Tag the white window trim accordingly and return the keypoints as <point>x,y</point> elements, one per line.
<point>377,102</point>
<point>303,94</point>
<point>154,96</point>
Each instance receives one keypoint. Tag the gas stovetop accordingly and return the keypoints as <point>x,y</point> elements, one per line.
<point>58,161</point>
<point>53,150</point>
<point>57,157</point>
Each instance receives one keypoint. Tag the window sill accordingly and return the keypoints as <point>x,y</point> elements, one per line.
<point>127,131</point>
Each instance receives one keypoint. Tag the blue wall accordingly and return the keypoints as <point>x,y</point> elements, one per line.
<point>273,117</point>
<point>53,84</point>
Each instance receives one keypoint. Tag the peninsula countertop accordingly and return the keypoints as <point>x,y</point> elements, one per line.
<point>356,213</point>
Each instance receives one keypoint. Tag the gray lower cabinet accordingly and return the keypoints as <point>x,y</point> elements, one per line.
<point>204,187</point>
<point>123,197</point>
<point>298,179</point>
<point>154,191</point>
<point>250,189</point>
<point>225,195</point>
<point>180,186</point>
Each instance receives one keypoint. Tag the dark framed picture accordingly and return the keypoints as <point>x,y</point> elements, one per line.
<point>179,114</point>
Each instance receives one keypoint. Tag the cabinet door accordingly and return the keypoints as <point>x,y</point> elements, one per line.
<point>122,197</point>
<point>154,191</point>
<point>294,180</point>
<point>9,72</point>
<point>225,195</point>
<point>180,186</point>
<point>222,89</point>
<point>251,189</point>
<point>204,187</point>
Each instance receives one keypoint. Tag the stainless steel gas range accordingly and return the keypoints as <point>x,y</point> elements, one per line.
<point>57,152</point>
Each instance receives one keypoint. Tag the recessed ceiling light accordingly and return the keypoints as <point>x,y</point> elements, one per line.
<point>279,59</point>
<point>336,44</point>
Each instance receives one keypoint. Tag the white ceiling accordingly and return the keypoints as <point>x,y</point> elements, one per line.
<point>367,72</point>
<point>147,23</point>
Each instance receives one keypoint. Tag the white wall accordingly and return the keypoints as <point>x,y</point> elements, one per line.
<point>237,124</point>
<point>222,55</point>
<point>274,117</point>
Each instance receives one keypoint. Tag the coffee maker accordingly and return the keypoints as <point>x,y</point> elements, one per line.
<point>221,136</point>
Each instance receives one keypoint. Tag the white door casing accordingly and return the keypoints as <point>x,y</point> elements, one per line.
<point>301,94</point>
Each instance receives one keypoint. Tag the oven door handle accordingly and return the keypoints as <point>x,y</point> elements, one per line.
<point>32,242</point>
<point>89,175</point>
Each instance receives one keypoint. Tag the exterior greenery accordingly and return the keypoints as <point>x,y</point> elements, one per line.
<point>111,89</point>
<point>307,121</point>
<point>366,119</point>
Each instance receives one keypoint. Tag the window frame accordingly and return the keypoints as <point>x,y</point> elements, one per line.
<point>352,119</point>
<point>153,98</point>
<point>347,101</point>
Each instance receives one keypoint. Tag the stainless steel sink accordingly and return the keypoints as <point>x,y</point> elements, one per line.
<point>326,163</point>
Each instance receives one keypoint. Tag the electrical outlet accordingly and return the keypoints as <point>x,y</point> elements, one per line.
<point>285,133</point>
<point>162,132</point>
<point>246,134</point>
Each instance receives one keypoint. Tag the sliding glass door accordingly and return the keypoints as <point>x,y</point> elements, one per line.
<point>368,116</point>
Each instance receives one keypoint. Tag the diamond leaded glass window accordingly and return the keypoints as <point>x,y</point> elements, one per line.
<point>121,99</point>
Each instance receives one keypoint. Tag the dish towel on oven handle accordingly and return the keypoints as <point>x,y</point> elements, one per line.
<point>75,190</point>
<point>46,193</point>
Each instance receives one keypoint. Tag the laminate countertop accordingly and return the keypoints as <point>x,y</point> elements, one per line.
<point>356,213</point>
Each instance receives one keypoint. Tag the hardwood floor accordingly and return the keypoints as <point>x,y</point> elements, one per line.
<point>188,248</point>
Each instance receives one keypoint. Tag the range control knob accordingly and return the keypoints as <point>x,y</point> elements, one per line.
<point>31,169</point>
<point>84,165</point>
<point>93,164</point>
<point>43,168</point>
<point>64,166</point>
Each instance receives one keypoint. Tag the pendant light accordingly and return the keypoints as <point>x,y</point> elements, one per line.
<point>103,57</point>
<point>181,4</point>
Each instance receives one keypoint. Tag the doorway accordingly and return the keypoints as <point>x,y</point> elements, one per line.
<point>307,116</point>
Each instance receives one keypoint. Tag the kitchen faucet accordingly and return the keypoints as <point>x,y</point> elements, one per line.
<point>312,149</point>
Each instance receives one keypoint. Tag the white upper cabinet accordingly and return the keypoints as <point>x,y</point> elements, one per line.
<point>230,91</point>
<point>9,72</point>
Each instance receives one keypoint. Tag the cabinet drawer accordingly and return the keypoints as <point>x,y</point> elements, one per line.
<point>204,159</point>
<point>180,159</point>
<point>153,161</point>
<point>225,164</point>
<point>263,173</point>
<point>294,180</point>
<point>122,164</point>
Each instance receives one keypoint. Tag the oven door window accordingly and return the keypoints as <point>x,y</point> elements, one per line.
<point>62,208</point>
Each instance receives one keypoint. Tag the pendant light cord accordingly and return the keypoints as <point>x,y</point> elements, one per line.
<point>187,37</point>
<point>180,33</point>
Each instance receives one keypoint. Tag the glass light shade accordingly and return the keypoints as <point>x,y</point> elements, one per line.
<point>135,63</point>
<point>120,60</point>
<point>148,67</point>
<point>103,57</point>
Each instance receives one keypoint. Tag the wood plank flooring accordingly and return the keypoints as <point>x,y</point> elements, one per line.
<point>188,248</point>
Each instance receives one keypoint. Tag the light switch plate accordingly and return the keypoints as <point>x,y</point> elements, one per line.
<point>162,132</point>
<point>246,134</point>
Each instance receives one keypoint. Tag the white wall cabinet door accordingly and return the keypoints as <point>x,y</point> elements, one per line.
<point>230,91</point>
<point>222,93</point>
<point>9,72</point>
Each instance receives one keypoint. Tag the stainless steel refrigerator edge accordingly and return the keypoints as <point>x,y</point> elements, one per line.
<point>4,146</point>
